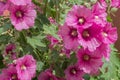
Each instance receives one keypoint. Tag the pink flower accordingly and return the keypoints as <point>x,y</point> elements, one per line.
<point>22,17</point>
<point>103,3</point>
<point>26,67</point>
<point>109,34</point>
<point>73,72</point>
<point>9,74</point>
<point>9,50</point>
<point>47,75</point>
<point>21,2</point>
<point>66,52</point>
<point>52,21</point>
<point>79,16</point>
<point>88,61</point>
<point>89,37</point>
<point>104,50</point>
<point>99,11</point>
<point>69,35</point>
<point>115,3</point>
<point>53,41</point>
<point>4,5</point>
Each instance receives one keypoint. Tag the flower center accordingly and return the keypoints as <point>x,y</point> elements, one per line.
<point>104,34</point>
<point>14,77</point>
<point>96,17</point>
<point>73,71</point>
<point>23,67</point>
<point>86,57</point>
<point>74,33</point>
<point>86,34</point>
<point>81,20</point>
<point>19,14</point>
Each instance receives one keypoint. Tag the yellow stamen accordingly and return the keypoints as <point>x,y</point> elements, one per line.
<point>23,67</point>
<point>86,57</point>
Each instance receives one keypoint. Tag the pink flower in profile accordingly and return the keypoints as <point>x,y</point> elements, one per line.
<point>99,11</point>
<point>66,52</point>
<point>69,35</point>
<point>88,61</point>
<point>22,17</point>
<point>105,51</point>
<point>73,72</point>
<point>52,21</point>
<point>9,74</point>
<point>4,5</point>
<point>53,41</point>
<point>21,2</point>
<point>103,3</point>
<point>89,37</point>
<point>109,34</point>
<point>79,16</point>
<point>26,67</point>
<point>115,3</point>
<point>47,75</point>
<point>9,50</point>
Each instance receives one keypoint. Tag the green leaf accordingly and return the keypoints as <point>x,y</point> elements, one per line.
<point>52,30</point>
<point>36,41</point>
<point>109,19</point>
<point>1,30</point>
<point>39,66</point>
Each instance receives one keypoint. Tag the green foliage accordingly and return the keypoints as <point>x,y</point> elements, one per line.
<point>51,30</point>
<point>39,65</point>
<point>35,41</point>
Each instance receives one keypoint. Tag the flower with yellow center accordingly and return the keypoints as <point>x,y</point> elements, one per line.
<point>81,20</point>
<point>23,67</point>
<point>105,34</point>
<point>74,33</point>
<point>86,57</point>
<point>86,34</point>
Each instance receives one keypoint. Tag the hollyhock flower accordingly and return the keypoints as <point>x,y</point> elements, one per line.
<point>53,41</point>
<point>79,16</point>
<point>47,75</point>
<point>88,61</point>
<point>52,21</point>
<point>109,34</point>
<point>103,3</point>
<point>105,50</point>
<point>73,72</point>
<point>21,2</point>
<point>69,35</point>
<point>22,17</point>
<point>26,67</point>
<point>99,11</point>
<point>9,50</point>
<point>66,52</point>
<point>115,3</point>
<point>9,74</point>
<point>4,5</point>
<point>89,37</point>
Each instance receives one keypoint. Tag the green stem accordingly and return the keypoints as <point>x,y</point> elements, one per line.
<point>45,8</point>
